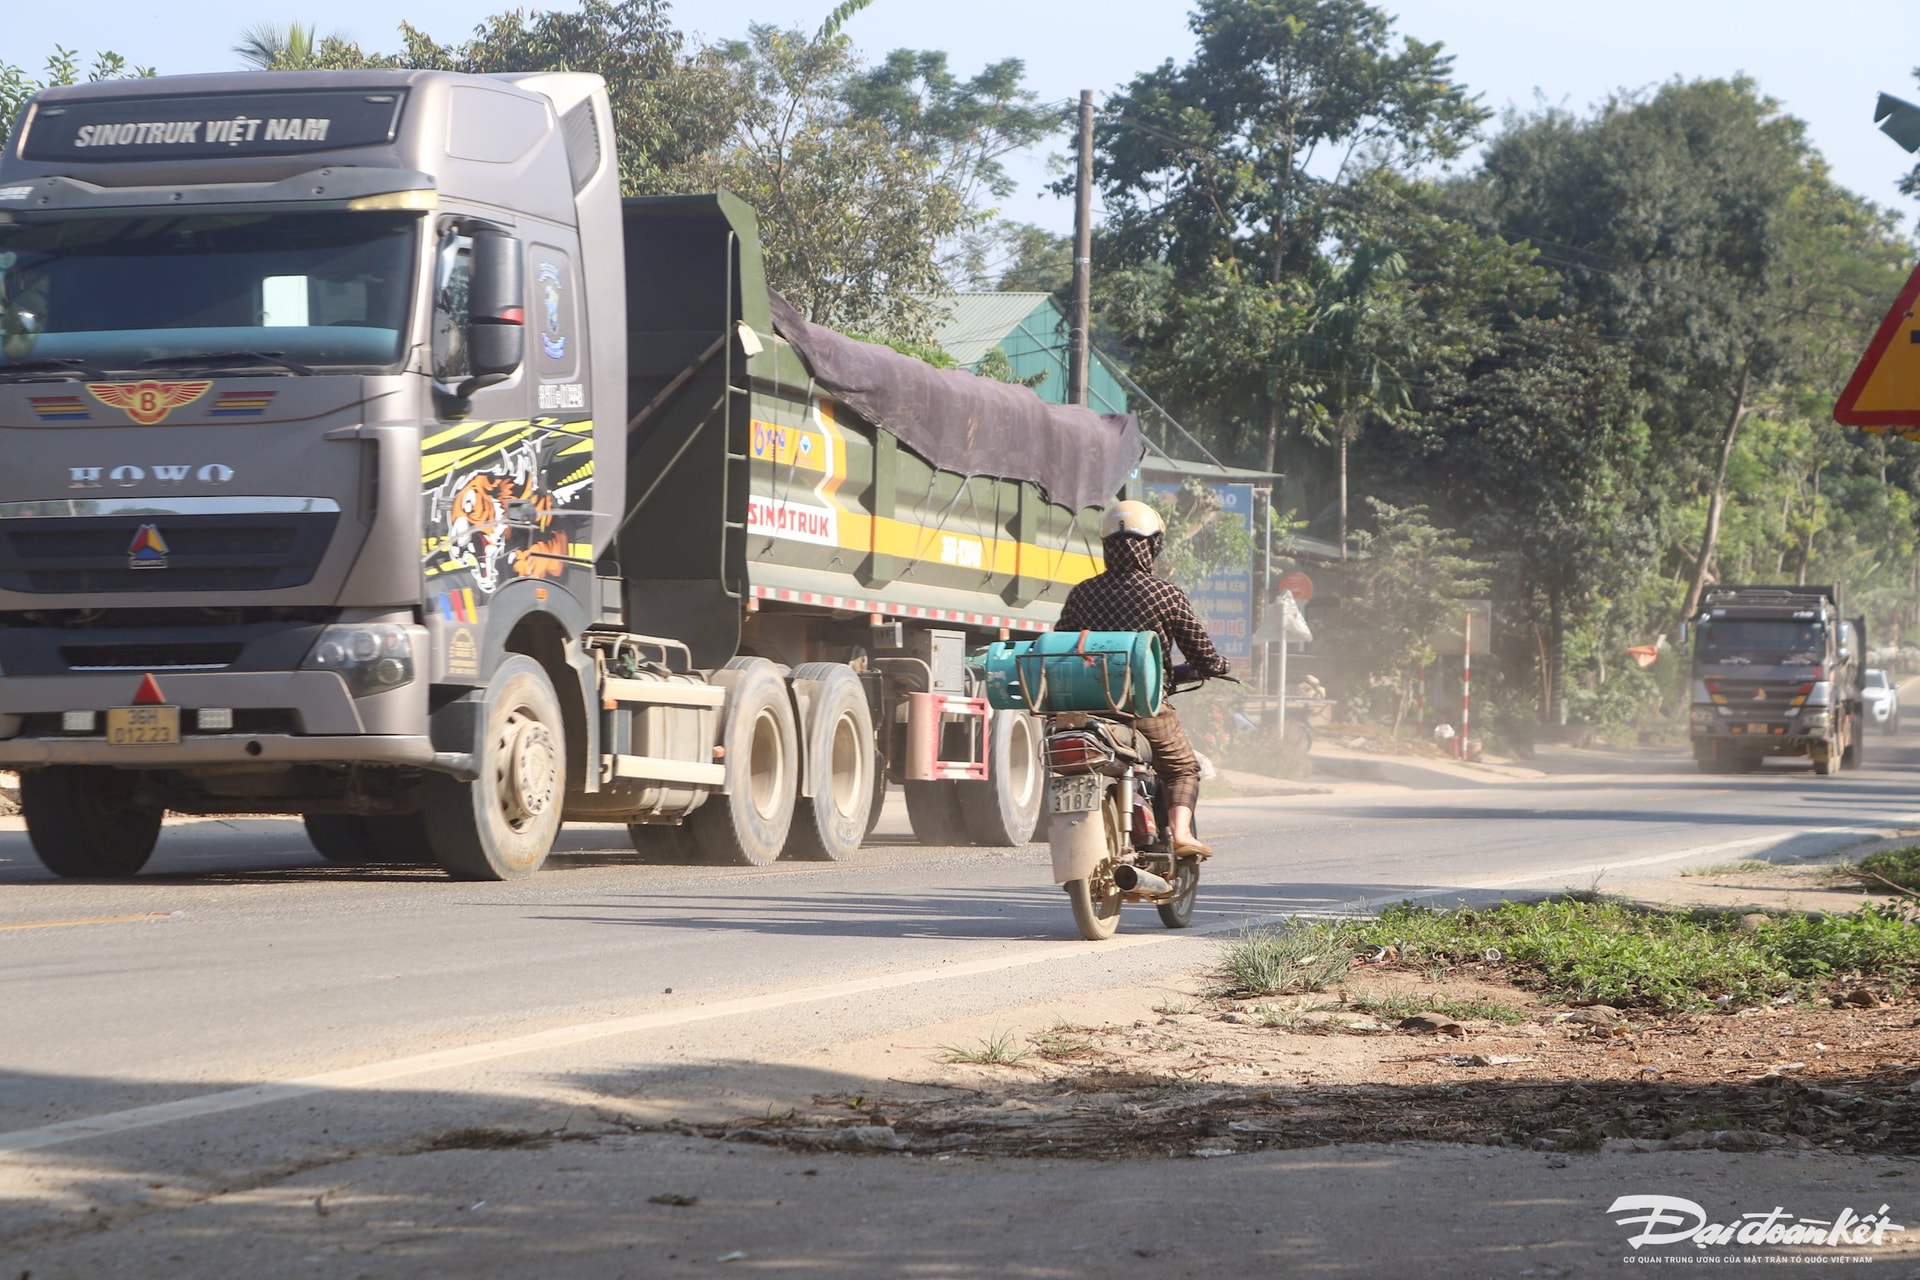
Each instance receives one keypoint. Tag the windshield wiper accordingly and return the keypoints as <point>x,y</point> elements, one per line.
<point>217,359</point>
<point>71,368</point>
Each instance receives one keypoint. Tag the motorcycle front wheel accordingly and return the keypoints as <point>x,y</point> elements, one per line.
<point>1096,905</point>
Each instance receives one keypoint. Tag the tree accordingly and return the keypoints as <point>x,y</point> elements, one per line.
<point>266,46</point>
<point>1540,451</point>
<point>62,68</point>
<point>1681,221</point>
<point>1410,578</point>
<point>867,180</point>
<point>1216,171</point>
<point>672,107</point>
<point>1359,319</point>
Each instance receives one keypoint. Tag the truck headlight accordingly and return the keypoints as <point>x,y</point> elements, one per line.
<point>371,657</point>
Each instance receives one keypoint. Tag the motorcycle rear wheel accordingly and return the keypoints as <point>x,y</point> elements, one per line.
<point>1177,911</point>
<point>1096,912</point>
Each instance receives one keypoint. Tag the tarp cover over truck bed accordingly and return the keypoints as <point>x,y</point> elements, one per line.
<point>961,422</point>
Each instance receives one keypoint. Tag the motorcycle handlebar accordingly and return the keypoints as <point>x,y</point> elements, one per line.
<point>1184,679</point>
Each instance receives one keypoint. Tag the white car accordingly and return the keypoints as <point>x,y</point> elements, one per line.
<point>1882,699</point>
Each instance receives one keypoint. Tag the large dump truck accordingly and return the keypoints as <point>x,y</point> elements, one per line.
<point>1776,672</point>
<point>369,459</point>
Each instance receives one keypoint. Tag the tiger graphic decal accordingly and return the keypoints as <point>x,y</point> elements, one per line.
<point>499,520</point>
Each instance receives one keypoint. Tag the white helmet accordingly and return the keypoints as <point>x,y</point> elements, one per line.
<point>1135,519</point>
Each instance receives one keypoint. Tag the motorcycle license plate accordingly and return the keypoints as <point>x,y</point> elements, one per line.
<point>1077,794</point>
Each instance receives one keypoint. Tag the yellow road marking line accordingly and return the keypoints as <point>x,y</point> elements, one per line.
<point>68,924</point>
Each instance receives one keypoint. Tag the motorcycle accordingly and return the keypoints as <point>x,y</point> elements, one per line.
<point>1107,824</point>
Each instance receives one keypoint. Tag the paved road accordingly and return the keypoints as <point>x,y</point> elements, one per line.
<point>242,1009</point>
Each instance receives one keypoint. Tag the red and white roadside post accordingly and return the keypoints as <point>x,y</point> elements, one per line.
<point>1466,686</point>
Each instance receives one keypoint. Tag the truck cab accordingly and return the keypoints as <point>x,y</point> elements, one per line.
<point>1776,672</point>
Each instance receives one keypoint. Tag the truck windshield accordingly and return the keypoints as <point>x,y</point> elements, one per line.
<point>1764,640</point>
<point>125,294</point>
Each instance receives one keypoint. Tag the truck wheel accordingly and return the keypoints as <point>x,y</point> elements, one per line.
<point>1826,761</point>
<point>879,804</point>
<point>934,810</point>
<point>748,825</point>
<point>829,825</point>
<point>1003,810</point>
<point>87,822</point>
<point>501,825</point>
<point>352,839</point>
<point>1711,759</point>
<point>1856,749</point>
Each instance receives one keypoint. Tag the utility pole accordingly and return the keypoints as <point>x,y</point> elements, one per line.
<point>1082,316</point>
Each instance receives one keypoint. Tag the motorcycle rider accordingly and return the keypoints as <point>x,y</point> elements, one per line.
<point>1127,597</point>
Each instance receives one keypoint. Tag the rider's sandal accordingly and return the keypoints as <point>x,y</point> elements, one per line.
<point>1192,849</point>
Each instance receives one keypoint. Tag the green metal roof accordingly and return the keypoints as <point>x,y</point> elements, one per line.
<point>1031,329</point>
<point>976,323</point>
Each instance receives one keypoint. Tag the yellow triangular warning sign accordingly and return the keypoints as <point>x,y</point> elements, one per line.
<point>1883,395</point>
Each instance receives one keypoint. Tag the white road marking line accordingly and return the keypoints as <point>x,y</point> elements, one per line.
<point>1698,851</point>
<point>378,1073</point>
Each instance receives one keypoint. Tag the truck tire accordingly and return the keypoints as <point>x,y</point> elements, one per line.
<point>830,825</point>
<point>934,810</point>
<point>1826,761</point>
<point>501,825</point>
<point>352,839</point>
<point>748,825</point>
<point>86,822</point>
<point>1003,810</point>
<point>879,804</point>
<point>1856,748</point>
<point>1710,758</point>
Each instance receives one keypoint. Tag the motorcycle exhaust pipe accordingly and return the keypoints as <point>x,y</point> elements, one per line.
<point>1131,879</point>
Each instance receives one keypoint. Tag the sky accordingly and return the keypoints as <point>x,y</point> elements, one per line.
<point>1824,61</point>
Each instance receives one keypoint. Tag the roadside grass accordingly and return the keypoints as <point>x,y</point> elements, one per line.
<point>1744,866</point>
<point>1298,957</point>
<point>1604,951</point>
<point>1001,1050</point>
<point>1173,1008</point>
<point>1062,1042</point>
<point>1404,1004</point>
<point>1897,867</point>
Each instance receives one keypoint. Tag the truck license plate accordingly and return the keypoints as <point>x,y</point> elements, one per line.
<point>143,726</point>
<point>1079,793</point>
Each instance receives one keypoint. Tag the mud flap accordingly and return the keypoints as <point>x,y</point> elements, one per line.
<point>1078,841</point>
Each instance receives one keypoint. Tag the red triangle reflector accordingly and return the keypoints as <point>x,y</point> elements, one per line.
<point>149,694</point>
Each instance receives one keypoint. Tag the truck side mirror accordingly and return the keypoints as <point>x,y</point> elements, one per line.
<point>496,310</point>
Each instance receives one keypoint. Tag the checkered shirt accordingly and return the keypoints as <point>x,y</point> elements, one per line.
<point>1127,597</point>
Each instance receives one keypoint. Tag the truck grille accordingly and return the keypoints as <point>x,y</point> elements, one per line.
<point>150,657</point>
<point>225,552</point>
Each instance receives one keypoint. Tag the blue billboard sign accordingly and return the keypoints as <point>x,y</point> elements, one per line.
<point>1224,599</point>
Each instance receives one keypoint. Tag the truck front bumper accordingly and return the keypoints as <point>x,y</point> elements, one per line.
<point>299,717</point>
<point>216,749</point>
